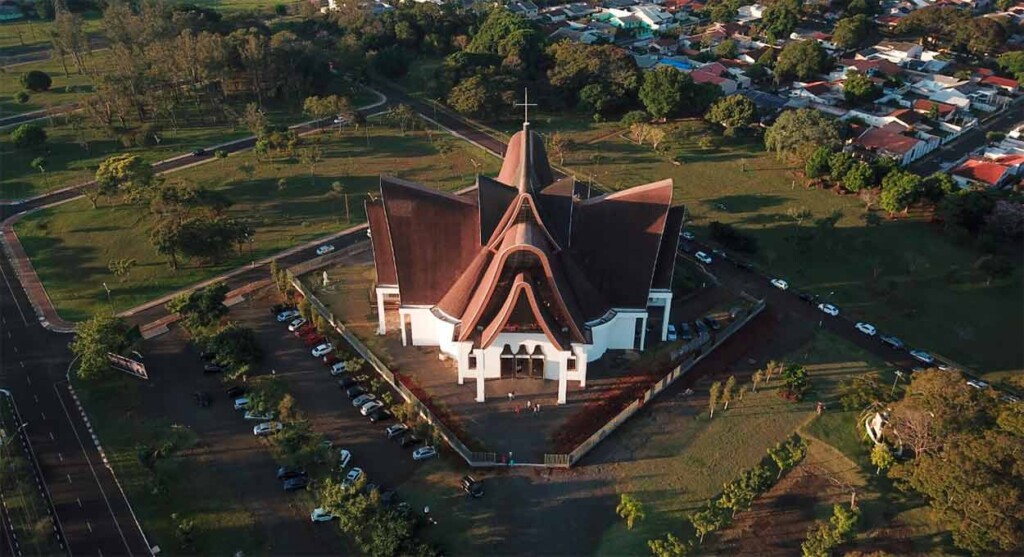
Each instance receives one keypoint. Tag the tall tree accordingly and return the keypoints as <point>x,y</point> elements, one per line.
<point>94,340</point>
<point>780,18</point>
<point>126,174</point>
<point>797,133</point>
<point>727,390</point>
<point>662,92</point>
<point>630,509</point>
<point>734,111</point>
<point>851,31</point>
<point>713,394</point>
<point>801,60</point>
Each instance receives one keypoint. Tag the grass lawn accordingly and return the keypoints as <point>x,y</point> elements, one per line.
<point>64,89</point>
<point>904,276</point>
<point>675,469</point>
<point>26,35</point>
<point>71,244</point>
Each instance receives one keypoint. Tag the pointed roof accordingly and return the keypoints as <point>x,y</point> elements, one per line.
<point>526,157</point>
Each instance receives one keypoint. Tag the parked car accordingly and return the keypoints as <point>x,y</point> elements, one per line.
<point>807,297</point>
<point>287,315</point>
<point>346,382</point>
<point>330,359</point>
<point>337,369</point>
<point>712,322</point>
<point>703,257</point>
<point>256,416</point>
<point>379,415</point>
<point>267,428</point>
<point>370,407</point>
<point>671,336</point>
<point>241,403</point>
<point>1011,399</point>
<point>289,472</point>
<point>297,483</point>
<point>685,332</point>
<point>324,249</point>
<point>321,515</point>
<point>922,356</point>
<point>410,440</point>
<point>322,349</point>
<point>355,391</point>
<point>296,323</point>
<point>198,152</point>
<point>363,399</point>
<point>352,477</point>
<point>280,308</point>
<point>235,391</point>
<point>344,457</point>
<point>866,328</point>
<point>687,235</point>
<point>423,453</point>
<point>702,327</point>
<point>892,341</point>
<point>977,384</point>
<point>212,368</point>
<point>207,355</point>
<point>396,430</point>
<point>780,284</point>
<point>471,486</point>
<point>304,331</point>
<point>829,309</point>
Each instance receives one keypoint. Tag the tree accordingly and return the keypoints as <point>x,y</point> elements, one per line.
<point>858,89</point>
<point>860,176</point>
<point>28,136</point>
<point>801,60</point>
<point>254,119</point>
<point>338,191</point>
<point>671,546</point>
<point>558,144</point>
<point>311,156</point>
<point>601,77</point>
<point>472,96</point>
<point>629,509</point>
<point>817,163</point>
<point>839,164</point>
<point>796,382</point>
<point>201,307</point>
<point>787,454</point>
<point>995,267</point>
<point>126,174</point>
<point>937,186</point>
<point>39,163</point>
<point>851,31</point>
<point>235,347</point>
<point>404,116</point>
<point>899,189</point>
<point>756,379</point>
<point>713,394</point>
<point>662,92</point>
<point>1013,63</point>
<point>727,390</point>
<point>634,117</point>
<point>861,391</point>
<point>734,111</point>
<point>657,137</point>
<point>727,49</point>
<point>780,18</point>
<point>94,340</point>
<point>122,267</point>
<point>797,133</point>
<point>881,457</point>
<point>639,131</point>
<point>36,81</point>
<point>707,520</point>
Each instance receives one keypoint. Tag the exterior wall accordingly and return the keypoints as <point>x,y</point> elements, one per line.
<point>491,363</point>
<point>616,334</point>
<point>424,326</point>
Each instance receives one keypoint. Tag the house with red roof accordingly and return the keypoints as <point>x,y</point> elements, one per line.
<point>1006,84</point>
<point>989,172</point>
<point>896,141</point>
<point>927,107</point>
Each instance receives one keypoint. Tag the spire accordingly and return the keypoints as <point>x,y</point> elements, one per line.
<point>526,159</point>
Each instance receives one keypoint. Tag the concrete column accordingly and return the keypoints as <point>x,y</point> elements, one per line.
<point>581,366</point>
<point>480,384</point>
<point>401,323</point>
<point>381,327</point>
<point>563,377</point>
<point>667,318</point>
<point>643,333</point>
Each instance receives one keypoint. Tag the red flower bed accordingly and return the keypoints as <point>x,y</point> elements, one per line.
<point>596,413</point>
<point>441,413</point>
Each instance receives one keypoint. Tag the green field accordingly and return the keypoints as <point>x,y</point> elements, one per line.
<point>71,244</point>
<point>27,35</point>
<point>904,275</point>
<point>65,89</point>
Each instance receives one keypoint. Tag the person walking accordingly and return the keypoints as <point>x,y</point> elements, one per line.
<point>529,404</point>
<point>510,397</point>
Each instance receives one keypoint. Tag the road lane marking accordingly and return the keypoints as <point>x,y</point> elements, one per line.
<point>51,436</point>
<point>22,364</point>
<point>89,525</point>
<point>14,296</point>
<point>60,456</point>
<point>43,415</point>
<point>92,468</point>
<point>80,503</point>
<point>69,478</point>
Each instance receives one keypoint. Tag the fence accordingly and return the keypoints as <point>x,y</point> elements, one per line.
<point>475,459</point>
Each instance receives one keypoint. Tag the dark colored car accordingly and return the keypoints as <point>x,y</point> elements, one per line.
<point>712,322</point>
<point>685,332</point>
<point>809,298</point>
<point>346,382</point>
<point>471,486</point>
<point>355,391</point>
<point>745,265</point>
<point>702,327</point>
<point>892,341</point>
<point>296,483</point>
<point>198,152</point>
<point>379,415</point>
<point>212,368</point>
<point>410,441</point>
<point>206,355</point>
<point>289,472</point>
<point>235,391</point>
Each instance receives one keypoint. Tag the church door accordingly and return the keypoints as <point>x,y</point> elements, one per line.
<point>508,363</point>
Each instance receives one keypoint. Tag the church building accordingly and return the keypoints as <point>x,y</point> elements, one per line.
<point>529,278</point>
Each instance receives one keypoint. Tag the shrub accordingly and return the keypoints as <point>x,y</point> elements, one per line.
<point>28,136</point>
<point>280,9</point>
<point>36,80</point>
<point>635,117</point>
<point>21,97</point>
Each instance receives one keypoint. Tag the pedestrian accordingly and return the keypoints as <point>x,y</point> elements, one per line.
<point>513,395</point>
<point>510,397</point>
<point>821,408</point>
<point>517,409</point>
<point>536,409</point>
<point>529,404</point>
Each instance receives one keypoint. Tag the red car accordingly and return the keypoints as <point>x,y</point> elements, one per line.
<point>330,359</point>
<point>313,340</point>
<point>305,330</point>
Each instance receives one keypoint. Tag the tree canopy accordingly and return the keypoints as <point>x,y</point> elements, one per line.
<point>605,77</point>
<point>797,133</point>
<point>851,31</point>
<point>780,18</point>
<point>733,111</point>
<point>94,340</point>
<point>801,60</point>
<point>858,88</point>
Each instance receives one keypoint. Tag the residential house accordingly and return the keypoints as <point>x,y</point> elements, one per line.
<point>943,111</point>
<point>579,34</point>
<point>824,39</point>
<point>817,92</point>
<point>893,140</point>
<point>897,52</point>
<point>990,173</point>
<point>525,8</point>
<point>1009,85</point>
<point>715,73</point>
<point>877,67</point>
<point>750,13</point>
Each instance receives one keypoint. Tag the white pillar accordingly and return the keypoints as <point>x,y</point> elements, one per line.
<point>581,365</point>
<point>643,332</point>
<point>480,384</point>
<point>667,316</point>
<point>401,323</point>
<point>563,376</point>
<point>381,327</point>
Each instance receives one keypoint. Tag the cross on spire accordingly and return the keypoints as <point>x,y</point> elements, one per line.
<point>526,106</point>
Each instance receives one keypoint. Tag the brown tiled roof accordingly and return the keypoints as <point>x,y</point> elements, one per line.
<point>434,235</point>
<point>887,141</point>
<point>493,198</point>
<point>616,238</point>
<point>380,239</point>
<point>666,264</point>
<point>511,166</point>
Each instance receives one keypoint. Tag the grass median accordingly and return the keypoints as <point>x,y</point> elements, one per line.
<point>70,245</point>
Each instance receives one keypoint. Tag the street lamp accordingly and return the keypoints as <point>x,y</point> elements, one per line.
<point>109,301</point>
<point>899,375</point>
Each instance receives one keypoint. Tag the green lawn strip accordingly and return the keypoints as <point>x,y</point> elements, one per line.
<point>64,89</point>
<point>904,276</point>
<point>182,483</point>
<point>29,35</point>
<point>71,244</point>
<point>675,469</point>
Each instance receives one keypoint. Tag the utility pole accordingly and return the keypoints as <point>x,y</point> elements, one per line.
<point>109,301</point>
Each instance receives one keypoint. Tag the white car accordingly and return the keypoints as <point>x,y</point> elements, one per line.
<point>338,368</point>
<point>922,356</point>
<point>344,457</point>
<point>866,328</point>
<point>320,514</point>
<point>296,324</point>
<point>322,349</point>
<point>977,383</point>
<point>370,407</point>
<point>395,430</point>
<point>253,415</point>
<point>287,315</point>
<point>687,235</point>
<point>424,453</point>
<point>780,284</point>
<point>267,428</point>
<point>241,403</point>
<point>324,249</point>
<point>672,336</point>
<point>829,309</point>
<point>703,257</point>
<point>363,399</point>
<point>352,477</point>
<point>341,120</point>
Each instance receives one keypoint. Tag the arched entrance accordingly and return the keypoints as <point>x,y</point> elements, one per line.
<point>508,363</point>
<point>537,363</point>
<point>522,362</point>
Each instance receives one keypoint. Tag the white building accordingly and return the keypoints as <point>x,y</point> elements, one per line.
<point>531,279</point>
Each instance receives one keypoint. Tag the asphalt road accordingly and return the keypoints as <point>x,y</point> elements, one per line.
<point>969,141</point>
